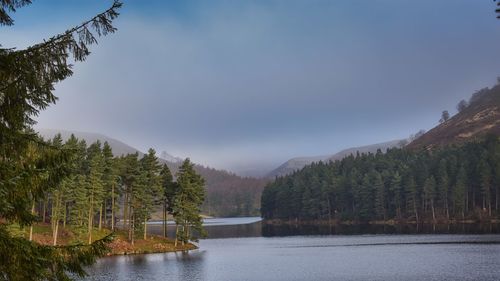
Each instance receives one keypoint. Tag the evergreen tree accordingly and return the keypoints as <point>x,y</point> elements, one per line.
<point>395,188</point>
<point>95,187</point>
<point>378,185</point>
<point>29,167</point>
<point>443,186</point>
<point>168,197</point>
<point>130,177</point>
<point>459,192</point>
<point>430,194</point>
<point>110,181</point>
<point>485,182</point>
<point>188,201</point>
<point>151,188</point>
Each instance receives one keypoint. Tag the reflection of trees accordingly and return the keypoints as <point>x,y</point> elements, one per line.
<point>498,9</point>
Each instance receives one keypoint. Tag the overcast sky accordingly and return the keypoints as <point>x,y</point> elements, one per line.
<point>246,85</point>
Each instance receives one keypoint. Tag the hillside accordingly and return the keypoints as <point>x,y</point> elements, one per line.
<point>479,118</point>
<point>119,148</point>
<point>298,163</point>
<point>227,193</point>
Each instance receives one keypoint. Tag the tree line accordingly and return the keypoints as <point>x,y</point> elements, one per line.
<point>450,183</point>
<point>99,188</point>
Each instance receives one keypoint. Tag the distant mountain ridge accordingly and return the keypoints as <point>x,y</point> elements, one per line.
<point>298,163</point>
<point>119,148</point>
<point>227,193</point>
<point>480,118</point>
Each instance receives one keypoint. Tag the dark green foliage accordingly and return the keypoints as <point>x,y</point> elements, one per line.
<point>21,259</point>
<point>31,168</point>
<point>187,202</point>
<point>449,183</point>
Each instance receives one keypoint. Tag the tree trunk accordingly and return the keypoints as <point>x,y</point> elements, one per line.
<point>31,226</point>
<point>145,228</point>
<point>496,200</point>
<point>447,210</point>
<point>489,208</point>
<point>65,217</point>
<point>100,218</point>
<point>105,213</point>
<point>466,201</point>
<point>55,233</point>
<point>90,219</point>
<point>164,220</point>
<point>416,212</point>
<point>329,211</point>
<point>113,207</point>
<point>433,213</point>
<point>125,211</point>
<point>44,210</point>
<point>132,229</point>
<point>183,234</point>
<point>176,234</point>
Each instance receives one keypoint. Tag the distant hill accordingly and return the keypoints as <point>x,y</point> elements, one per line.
<point>227,193</point>
<point>295,164</point>
<point>119,148</point>
<point>479,118</point>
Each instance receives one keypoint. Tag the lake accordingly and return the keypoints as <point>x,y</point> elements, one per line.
<point>262,252</point>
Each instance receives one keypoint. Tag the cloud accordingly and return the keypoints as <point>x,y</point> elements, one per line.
<point>252,83</point>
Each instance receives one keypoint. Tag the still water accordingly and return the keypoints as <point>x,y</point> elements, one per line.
<point>258,252</point>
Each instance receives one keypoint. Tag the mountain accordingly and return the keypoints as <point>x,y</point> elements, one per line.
<point>170,158</point>
<point>227,193</point>
<point>295,164</point>
<point>119,148</point>
<point>480,118</point>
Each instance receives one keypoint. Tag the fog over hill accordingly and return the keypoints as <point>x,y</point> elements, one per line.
<point>298,163</point>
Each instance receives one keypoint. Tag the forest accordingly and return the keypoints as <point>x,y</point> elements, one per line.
<point>99,188</point>
<point>452,183</point>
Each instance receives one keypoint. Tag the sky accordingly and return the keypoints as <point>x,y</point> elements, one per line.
<point>245,85</point>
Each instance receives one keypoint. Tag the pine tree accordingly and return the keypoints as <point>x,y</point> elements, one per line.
<point>395,188</point>
<point>443,186</point>
<point>188,201</point>
<point>485,182</point>
<point>379,187</point>
<point>412,196</point>
<point>110,181</point>
<point>168,197</point>
<point>95,187</point>
<point>459,192</point>
<point>430,194</point>
<point>151,189</point>
<point>130,177</point>
<point>29,167</point>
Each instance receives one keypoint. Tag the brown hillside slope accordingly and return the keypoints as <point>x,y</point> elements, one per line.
<point>480,118</point>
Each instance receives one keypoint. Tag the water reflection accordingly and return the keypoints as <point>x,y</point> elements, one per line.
<point>335,257</point>
<point>325,252</point>
<point>294,230</point>
<point>253,227</point>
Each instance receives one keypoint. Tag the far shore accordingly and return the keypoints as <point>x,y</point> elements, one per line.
<point>377,222</point>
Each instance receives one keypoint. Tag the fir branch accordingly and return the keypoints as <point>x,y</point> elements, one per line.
<point>101,23</point>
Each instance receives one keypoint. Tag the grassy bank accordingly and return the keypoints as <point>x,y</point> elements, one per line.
<point>120,245</point>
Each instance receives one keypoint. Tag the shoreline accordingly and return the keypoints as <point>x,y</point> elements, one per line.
<point>153,245</point>
<point>119,246</point>
<point>378,222</point>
